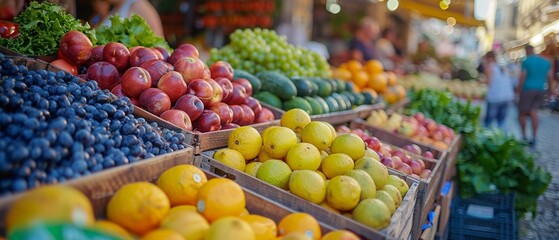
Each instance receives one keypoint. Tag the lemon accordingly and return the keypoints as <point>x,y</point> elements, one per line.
<point>263,156</point>
<point>368,188</point>
<point>375,169</point>
<point>244,213</point>
<point>303,156</point>
<point>343,193</point>
<point>227,227</point>
<point>340,235</point>
<point>332,129</point>
<point>399,183</point>
<point>267,130</point>
<point>252,168</point>
<point>295,119</point>
<point>263,227</point>
<point>308,185</point>
<point>275,172</point>
<point>231,158</point>
<point>182,208</point>
<point>370,153</point>
<point>373,213</point>
<point>317,134</point>
<point>329,208</point>
<point>394,193</point>
<point>278,141</point>
<point>336,164</point>
<point>321,175</point>
<point>350,144</point>
<point>189,224</point>
<point>387,199</point>
<point>246,140</point>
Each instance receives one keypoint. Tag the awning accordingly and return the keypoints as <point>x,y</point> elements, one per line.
<point>430,8</point>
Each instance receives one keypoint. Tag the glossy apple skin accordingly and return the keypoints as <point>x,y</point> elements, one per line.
<point>156,68</point>
<point>248,116</point>
<point>428,154</point>
<point>405,168</point>
<point>207,122</point>
<point>246,84</point>
<point>141,56</point>
<point>217,92</point>
<point>133,49</point>
<point>189,49</point>
<point>373,143</point>
<point>163,52</point>
<point>64,65</point>
<point>190,68</point>
<point>254,104</point>
<point>221,69</point>
<point>173,85</point>
<point>117,90</point>
<point>155,101</point>
<point>387,161</point>
<point>266,115</point>
<point>105,74</point>
<point>75,47</point>
<point>135,80</point>
<point>190,104</point>
<point>202,89</point>
<point>238,96</point>
<point>229,126</point>
<point>226,86</point>
<point>224,111</point>
<point>116,54</point>
<point>178,118</point>
<point>238,113</point>
<point>96,55</point>
<point>158,54</point>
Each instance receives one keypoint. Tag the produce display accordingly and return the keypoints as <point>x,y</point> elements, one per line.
<point>8,29</point>
<point>312,161</point>
<point>132,31</point>
<point>463,89</point>
<point>416,127</point>
<point>257,50</point>
<point>54,127</point>
<point>229,14</point>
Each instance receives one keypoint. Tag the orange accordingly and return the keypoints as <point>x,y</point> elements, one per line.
<point>300,222</point>
<point>220,197</point>
<point>55,203</point>
<point>373,67</point>
<point>390,96</point>
<point>182,208</point>
<point>263,227</point>
<point>354,66</point>
<point>360,78</point>
<point>190,225</point>
<point>378,82</point>
<point>138,207</point>
<point>111,228</point>
<point>400,91</point>
<point>340,235</point>
<point>341,73</point>
<point>162,234</point>
<point>392,79</point>
<point>181,184</point>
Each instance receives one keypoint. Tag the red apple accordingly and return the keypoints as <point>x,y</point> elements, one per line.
<point>105,74</point>
<point>178,118</point>
<point>254,104</point>
<point>246,84</point>
<point>64,65</point>
<point>224,111</point>
<point>155,101</point>
<point>361,134</point>
<point>397,161</point>
<point>156,69</point>
<point>142,55</point>
<point>133,49</point>
<point>208,121</point>
<point>414,148</point>
<point>189,50</point>
<point>226,86</point>
<point>59,54</point>
<point>134,101</point>
<point>405,168</point>
<point>387,161</point>
<point>190,68</point>
<point>190,104</point>
<point>96,55</point>
<point>238,96</point>
<point>428,154</point>
<point>373,143</point>
<point>117,90</point>
<point>202,89</point>
<point>221,69</point>
<point>406,159</point>
<point>248,116</point>
<point>430,125</point>
<point>116,54</point>
<point>425,173</point>
<point>207,74</point>
<point>421,131</point>
<point>217,92</point>
<point>343,129</point>
<point>229,126</point>
<point>437,135</point>
<point>415,167</point>
<point>421,163</point>
<point>158,54</point>
<point>75,47</point>
<point>173,85</point>
<point>266,115</point>
<point>238,113</point>
<point>163,52</point>
<point>135,80</point>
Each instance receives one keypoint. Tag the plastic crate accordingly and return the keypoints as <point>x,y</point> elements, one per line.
<point>501,224</point>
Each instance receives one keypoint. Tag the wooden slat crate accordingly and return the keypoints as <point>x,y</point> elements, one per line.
<point>401,222</point>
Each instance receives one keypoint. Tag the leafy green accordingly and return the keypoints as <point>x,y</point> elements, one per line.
<point>41,27</point>
<point>132,31</point>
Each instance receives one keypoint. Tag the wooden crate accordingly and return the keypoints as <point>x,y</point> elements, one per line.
<point>452,158</point>
<point>399,228</point>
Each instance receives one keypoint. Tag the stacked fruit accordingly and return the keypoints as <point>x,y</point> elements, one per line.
<point>183,205</point>
<point>371,78</point>
<point>310,160</point>
<point>54,127</point>
<point>257,50</point>
<point>416,127</point>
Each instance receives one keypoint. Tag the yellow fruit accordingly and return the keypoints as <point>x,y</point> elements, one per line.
<point>336,164</point>
<point>394,193</point>
<point>340,235</point>
<point>138,207</point>
<point>263,227</point>
<point>368,188</point>
<point>360,78</point>
<point>301,223</point>
<point>373,66</point>
<point>244,213</point>
<point>111,228</point>
<point>370,153</point>
<point>252,168</point>
<point>267,130</point>
<point>354,65</point>
<point>350,144</point>
<point>342,74</point>
<point>231,158</point>
<point>373,213</point>
<point>343,193</point>
<point>332,129</point>
<point>329,208</point>
<point>303,156</point>
<point>190,225</point>
<point>400,91</point>
<point>220,197</point>
<point>263,156</point>
<point>323,154</point>
<point>387,199</point>
<point>278,141</point>
<point>390,96</point>
<point>375,169</point>
<point>275,172</point>
<point>295,119</point>
<point>183,208</point>
<point>295,236</point>
<point>229,228</point>
<point>378,82</point>
<point>317,134</point>
<point>246,140</point>
<point>52,203</point>
<point>321,175</point>
<point>181,184</point>
<point>391,78</point>
<point>399,183</point>
<point>308,185</point>
<point>162,234</point>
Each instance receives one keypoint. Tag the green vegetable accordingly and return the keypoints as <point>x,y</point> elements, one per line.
<point>41,27</point>
<point>132,31</point>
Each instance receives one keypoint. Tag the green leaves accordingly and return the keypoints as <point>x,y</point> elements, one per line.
<point>132,31</point>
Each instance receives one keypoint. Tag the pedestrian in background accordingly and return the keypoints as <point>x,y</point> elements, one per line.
<point>500,91</point>
<point>386,49</point>
<point>361,46</point>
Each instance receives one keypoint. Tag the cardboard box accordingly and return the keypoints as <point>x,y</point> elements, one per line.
<point>447,193</point>
<point>431,232</point>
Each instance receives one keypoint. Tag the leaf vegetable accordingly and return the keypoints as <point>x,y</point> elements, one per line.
<point>132,31</point>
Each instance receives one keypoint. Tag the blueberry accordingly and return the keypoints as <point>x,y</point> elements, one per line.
<point>50,135</point>
<point>65,139</point>
<point>149,155</point>
<point>68,172</point>
<point>102,98</point>
<point>100,115</point>
<point>30,163</point>
<point>19,185</point>
<point>90,150</point>
<point>109,143</point>
<point>99,147</point>
<point>107,163</point>
<point>50,155</point>
<point>15,102</point>
<point>136,150</point>
<point>20,153</point>
<point>5,120</point>
<point>4,100</point>
<point>97,167</point>
<point>31,123</point>
<point>58,124</point>
<point>174,139</point>
<point>39,175</point>
<point>128,128</point>
<point>83,136</point>
<point>14,130</point>
<point>79,166</point>
<point>109,108</point>
<point>20,87</point>
<point>51,180</point>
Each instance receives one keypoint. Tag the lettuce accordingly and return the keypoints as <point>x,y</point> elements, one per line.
<point>132,31</point>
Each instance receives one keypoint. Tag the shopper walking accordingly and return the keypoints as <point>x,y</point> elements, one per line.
<point>500,92</point>
<point>536,70</point>
<point>361,45</point>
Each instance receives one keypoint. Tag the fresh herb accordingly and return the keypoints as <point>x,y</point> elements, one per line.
<point>132,31</point>
<point>41,27</point>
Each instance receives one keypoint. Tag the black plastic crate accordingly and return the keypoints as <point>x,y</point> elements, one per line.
<point>502,224</point>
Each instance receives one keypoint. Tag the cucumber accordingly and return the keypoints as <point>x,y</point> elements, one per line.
<point>298,102</point>
<point>269,98</point>
<point>278,84</point>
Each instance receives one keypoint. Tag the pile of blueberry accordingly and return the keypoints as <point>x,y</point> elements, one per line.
<point>53,128</point>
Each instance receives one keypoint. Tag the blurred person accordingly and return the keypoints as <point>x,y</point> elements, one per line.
<point>101,10</point>
<point>142,8</point>
<point>386,51</point>
<point>536,70</point>
<point>500,91</point>
<point>361,46</point>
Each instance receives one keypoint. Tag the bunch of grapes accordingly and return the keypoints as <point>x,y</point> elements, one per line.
<point>264,50</point>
